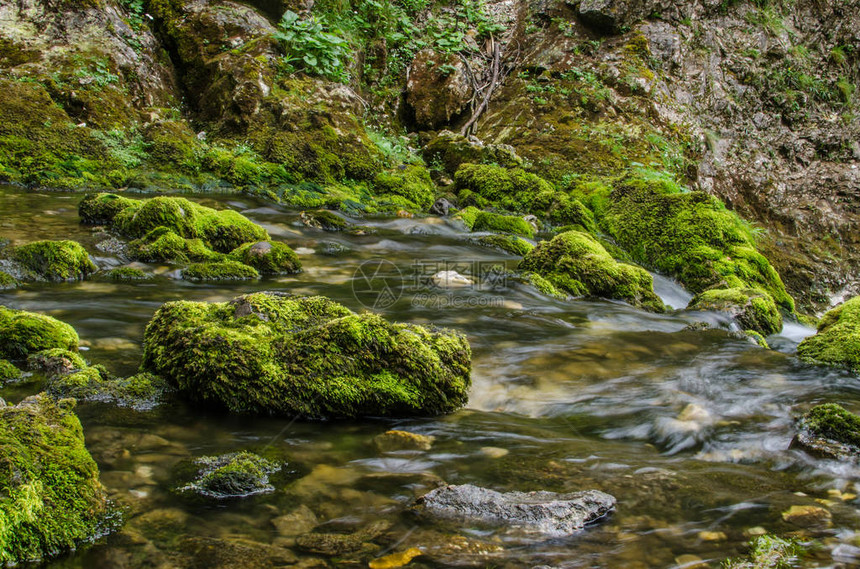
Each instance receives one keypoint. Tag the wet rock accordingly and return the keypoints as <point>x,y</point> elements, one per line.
<point>308,356</point>
<point>392,441</point>
<point>837,338</point>
<point>300,521</point>
<point>395,560</point>
<point>807,516</point>
<point>751,309</point>
<point>450,279</point>
<point>829,431</point>
<point>324,219</point>
<point>438,88</point>
<point>494,452</point>
<point>545,513</point>
<point>56,362</point>
<point>234,475</point>
<point>234,553</point>
<point>440,207</point>
<point>332,249</point>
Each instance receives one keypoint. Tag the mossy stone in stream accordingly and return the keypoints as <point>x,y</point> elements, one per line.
<point>507,243</point>
<point>689,235</point>
<point>510,224</point>
<point>52,500</point>
<point>23,333</point>
<point>271,353</point>
<point>837,341</point>
<point>829,430</point>
<point>234,475</point>
<point>325,220</point>
<point>7,281</point>
<point>409,181</point>
<point>768,552</point>
<point>577,264</point>
<point>220,271</point>
<point>219,230</point>
<point>127,274</point>
<point>164,245</point>
<point>56,361</point>
<point>751,309</point>
<point>55,260</point>
<point>512,189</point>
<point>8,371</point>
<point>268,257</point>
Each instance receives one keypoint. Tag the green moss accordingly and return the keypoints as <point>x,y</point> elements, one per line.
<point>757,338</point>
<point>752,309</point>
<point>577,264</point>
<point>56,361</point>
<point>468,215</point>
<point>833,422</point>
<point>325,220</point>
<point>83,384</point>
<point>512,224</point>
<point>689,235</point>
<point>837,341</point>
<point>7,281</point>
<point>268,257</point>
<point>49,484</point>
<point>233,475</point>
<point>171,144</point>
<point>544,285</point>
<point>221,271</point>
<point>409,181</point>
<point>55,260</point>
<point>163,245</point>
<point>127,274</point>
<point>507,243</point>
<point>23,333</point>
<point>453,150</point>
<point>769,552</point>
<point>277,354</point>
<point>101,209</point>
<point>513,190</point>
<point>8,371</point>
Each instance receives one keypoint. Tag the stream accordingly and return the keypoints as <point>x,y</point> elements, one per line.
<point>688,429</point>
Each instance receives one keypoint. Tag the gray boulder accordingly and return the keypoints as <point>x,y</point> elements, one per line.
<point>546,513</point>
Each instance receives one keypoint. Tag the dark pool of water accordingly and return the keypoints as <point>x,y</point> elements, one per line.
<point>689,430</point>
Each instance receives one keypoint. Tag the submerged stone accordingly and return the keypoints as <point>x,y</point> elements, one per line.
<point>278,354</point>
<point>23,333</point>
<point>837,341</point>
<point>575,263</point>
<point>54,260</point>
<point>334,544</point>
<point>52,500</point>
<point>234,475</point>
<point>546,513</point>
<point>829,431</point>
<point>751,309</point>
<point>392,441</point>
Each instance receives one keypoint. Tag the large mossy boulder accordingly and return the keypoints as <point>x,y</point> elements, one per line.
<point>689,235</point>
<point>54,260</point>
<point>268,257</point>
<point>220,230</point>
<point>829,431</point>
<point>751,309</point>
<point>51,498</point>
<point>577,264</point>
<point>23,333</point>
<point>837,341</point>
<point>163,245</point>
<point>272,353</point>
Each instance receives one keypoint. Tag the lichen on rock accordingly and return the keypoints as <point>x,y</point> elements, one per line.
<point>578,264</point>
<point>270,353</point>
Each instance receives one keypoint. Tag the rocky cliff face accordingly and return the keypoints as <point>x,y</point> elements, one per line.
<point>752,101</point>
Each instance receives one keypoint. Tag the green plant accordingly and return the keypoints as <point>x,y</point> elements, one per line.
<point>310,47</point>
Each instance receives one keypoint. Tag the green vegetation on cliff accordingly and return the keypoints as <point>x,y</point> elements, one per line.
<point>271,353</point>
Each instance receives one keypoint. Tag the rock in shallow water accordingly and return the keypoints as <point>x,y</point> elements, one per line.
<point>545,513</point>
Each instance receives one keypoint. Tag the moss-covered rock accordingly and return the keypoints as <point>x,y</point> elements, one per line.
<point>52,500</point>
<point>837,341</point>
<point>127,274</point>
<point>163,245</point>
<point>268,257</point>
<point>689,235</point>
<point>543,285</point>
<point>221,271</point>
<point>487,184</point>
<point>8,371</point>
<point>577,264</point>
<point>751,309</point>
<point>23,333</point>
<point>450,151</point>
<point>102,208</point>
<point>409,181</point>
<point>829,431</point>
<point>507,243</point>
<point>54,260</point>
<point>309,356</point>
<point>511,224</point>
<point>234,475</point>
<point>7,281</point>
<point>756,338</point>
<point>769,552</point>
<point>56,362</point>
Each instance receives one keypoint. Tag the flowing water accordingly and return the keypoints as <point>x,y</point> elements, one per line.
<point>689,430</point>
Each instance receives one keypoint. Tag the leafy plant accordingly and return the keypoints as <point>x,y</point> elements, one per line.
<point>311,47</point>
